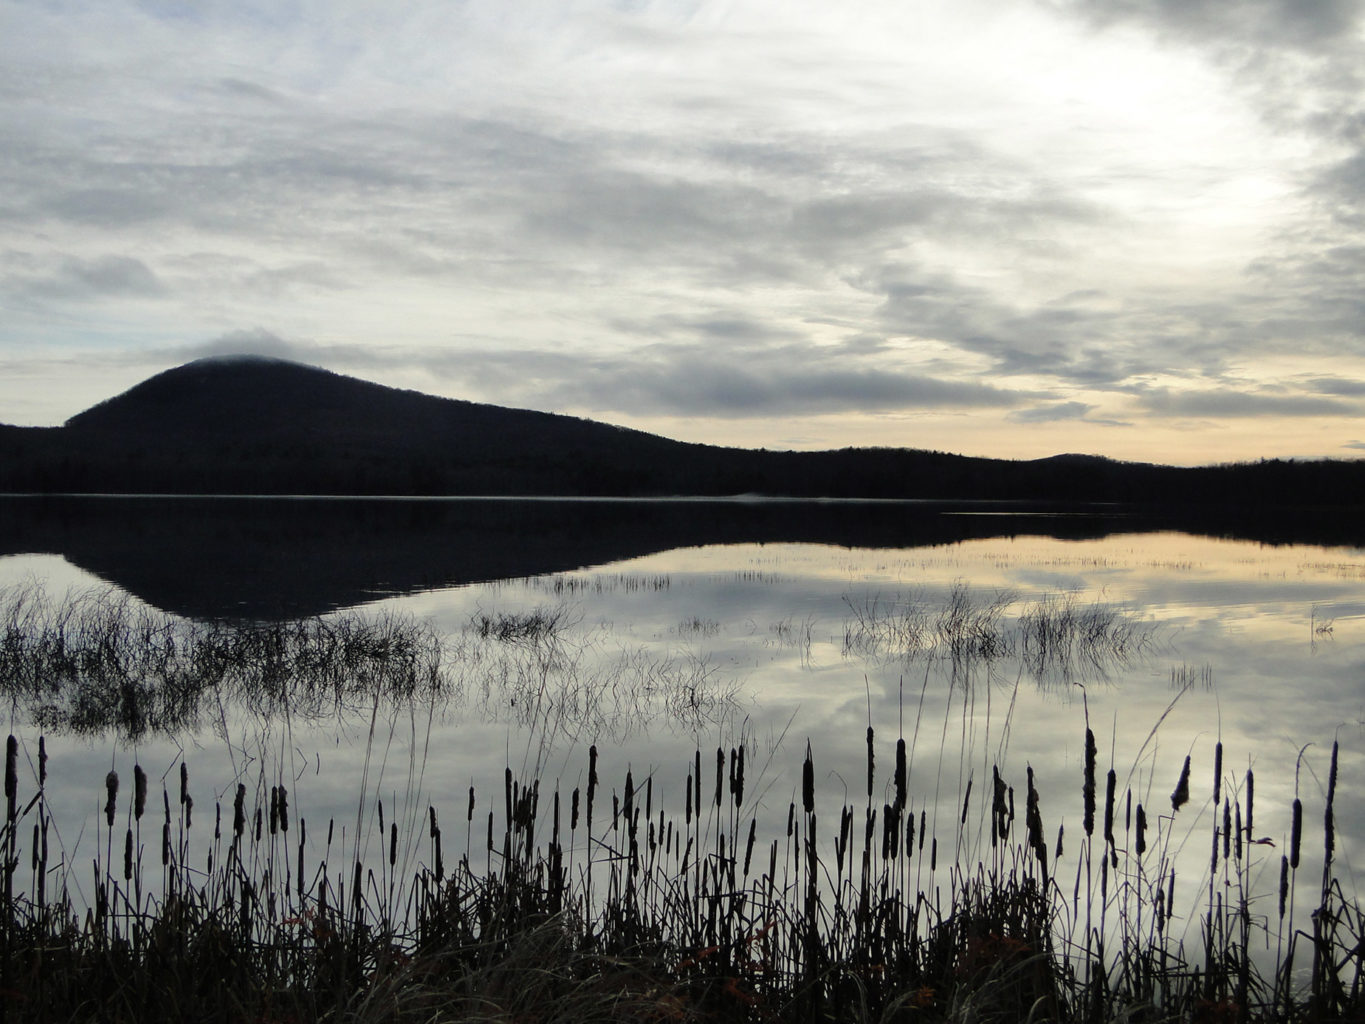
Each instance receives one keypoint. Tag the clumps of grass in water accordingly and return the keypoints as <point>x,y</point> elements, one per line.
<point>630,916</point>
<point>1055,638</point>
<point>98,659</point>
<point>540,625</point>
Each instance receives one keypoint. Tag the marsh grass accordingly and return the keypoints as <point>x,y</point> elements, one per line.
<point>96,660</point>
<point>598,903</point>
<point>1056,638</point>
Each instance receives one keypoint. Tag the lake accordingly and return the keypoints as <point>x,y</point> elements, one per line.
<point>986,636</point>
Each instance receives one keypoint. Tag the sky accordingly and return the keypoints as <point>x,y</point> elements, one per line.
<point>1132,228</point>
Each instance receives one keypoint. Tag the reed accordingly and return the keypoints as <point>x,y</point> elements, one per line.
<point>633,916</point>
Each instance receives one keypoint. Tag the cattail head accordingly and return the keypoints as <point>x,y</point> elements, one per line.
<point>139,791</point>
<point>871,761</point>
<point>808,783</point>
<point>239,810</point>
<point>1088,785</point>
<point>1284,884</point>
<point>1141,830</point>
<point>1181,796</point>
<point>1111,783</point>
<point>1295,833</point>
<point>393,843</point>
<point>1329,820</point>
<point>128,855</point>
<point>12,773</point>
<point>111,794</point>
<point>900,778</point>
<point>1217,772</point>
<point>184,782</point>
<point>284,809</point>
<point>42,761</point>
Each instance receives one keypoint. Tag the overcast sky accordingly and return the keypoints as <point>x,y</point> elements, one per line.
<point>1020,227</point>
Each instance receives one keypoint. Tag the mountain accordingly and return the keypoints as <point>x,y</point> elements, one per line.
<point>249,425</point>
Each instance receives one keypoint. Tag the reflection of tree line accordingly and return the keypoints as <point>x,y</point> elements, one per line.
<point>98,660</point>
<point>1055,638</point>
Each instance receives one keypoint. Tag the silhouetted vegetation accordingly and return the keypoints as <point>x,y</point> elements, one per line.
<point>252,426</point>
<point>587,905</point>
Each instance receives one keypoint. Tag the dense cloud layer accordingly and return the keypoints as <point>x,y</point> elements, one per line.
<point>966,226</point>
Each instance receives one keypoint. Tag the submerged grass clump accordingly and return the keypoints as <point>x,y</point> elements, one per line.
<point>1054,638</point>
<point>597,903</point>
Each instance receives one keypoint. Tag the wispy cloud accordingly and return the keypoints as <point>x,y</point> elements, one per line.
<point>983,215</point>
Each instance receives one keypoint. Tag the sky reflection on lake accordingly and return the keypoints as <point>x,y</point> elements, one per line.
<point>654,657</point>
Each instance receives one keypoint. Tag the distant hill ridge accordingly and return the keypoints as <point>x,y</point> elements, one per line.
<point>256,425</point>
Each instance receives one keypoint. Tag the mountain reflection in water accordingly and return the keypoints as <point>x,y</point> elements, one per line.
<point>273,559</point>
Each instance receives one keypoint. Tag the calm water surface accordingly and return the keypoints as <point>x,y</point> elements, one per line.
<point>1188,641</point>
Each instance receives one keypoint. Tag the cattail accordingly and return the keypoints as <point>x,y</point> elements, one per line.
<point>189,810</point>
<point>1251,790</point>
<point>688,815</point>
<point>128,855</point>
<point>139,791</point>
<point>808,783</point>
<point>738,786</point>
<point>1088,787</point>
<point>469,811</point>
<point>1141,830</point>
<point>1284,884</point>
<point>791,818</point>
<point>1181,796</point>
<point>1217,772</point>
<point>12,777</point>
<point>966,801</point>
<point>1295,833</point>
<point>1227,829</point>
<point>870,761</point>
<point>1110,785</point>
<point>284,809</point>
<point>275,810</point>
<point>933,854</point>
<point>239,810</point>
<point>888,828</point>
<point>184,782</point>
<point>165,843</point>
<point>1237,834</point>
<point>749,846</point>
<point>900,778</point>
<point>720,774</point>
<point>573,809</point>
<point>696,781</point>
<point>1329,820</point>
<point>999,809</point>
<point>110,789</point>
<point>1061,830</point>
<point>393,843</point>
<point>42,761</point>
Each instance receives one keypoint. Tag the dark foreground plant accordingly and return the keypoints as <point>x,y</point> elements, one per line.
<point>590,905</point>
